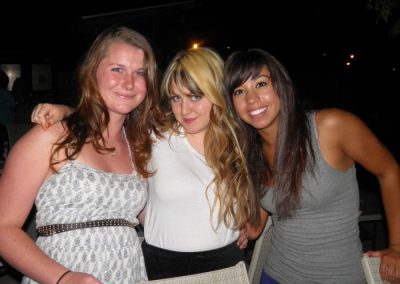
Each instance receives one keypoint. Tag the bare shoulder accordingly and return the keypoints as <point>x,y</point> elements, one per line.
<point>38,141</point>
<point>39,135</point>
<point>337,121</point>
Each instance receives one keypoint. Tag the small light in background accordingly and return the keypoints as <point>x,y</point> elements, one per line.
<point>352,56</point>
<point>195,46</point>
<point>348,63</point>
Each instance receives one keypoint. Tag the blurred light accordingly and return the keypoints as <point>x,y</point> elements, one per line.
<point>195,46</point>
<point>394,68</point>
<point>13,71</point>
<point>352,56</point>
<point>228,48</point>
<point>348,63</point>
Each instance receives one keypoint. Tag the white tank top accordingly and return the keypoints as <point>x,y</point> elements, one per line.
<point>178,212</point>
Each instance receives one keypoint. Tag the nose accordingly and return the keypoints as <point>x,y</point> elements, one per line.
<point>252,97</point>
<point>186,106</point>
<point>128,82</point>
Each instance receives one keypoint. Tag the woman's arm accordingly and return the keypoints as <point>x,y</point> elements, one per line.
<point>355,142</point>
<point>26,168</point>
<point>255,232</point>
<point>48,114</point>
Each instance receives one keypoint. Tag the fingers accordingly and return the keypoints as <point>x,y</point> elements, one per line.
<point>242,243</point>
<point>389,270</point>
<point>243,239</point>
<point>41,115</point>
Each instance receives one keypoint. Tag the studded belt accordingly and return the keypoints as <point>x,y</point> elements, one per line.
<point>49,230</point>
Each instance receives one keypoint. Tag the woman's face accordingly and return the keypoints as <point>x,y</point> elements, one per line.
<point>192,111</point>
<point>120,78</point>
<point>257,103</point>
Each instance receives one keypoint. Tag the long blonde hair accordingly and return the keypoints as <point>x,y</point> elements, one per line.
<point>201,71</point>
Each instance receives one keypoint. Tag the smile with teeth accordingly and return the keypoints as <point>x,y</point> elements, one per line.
<point>257,111</point>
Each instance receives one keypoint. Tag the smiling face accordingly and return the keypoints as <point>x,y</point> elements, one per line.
<point>120,78</point>
<point>192,111</point>
<point>257,103</point>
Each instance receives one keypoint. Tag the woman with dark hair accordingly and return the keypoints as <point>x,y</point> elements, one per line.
<point>303,168</point>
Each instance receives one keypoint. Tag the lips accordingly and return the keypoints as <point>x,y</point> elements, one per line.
<point>125,96</point>
<point>189,120</point>
<point>258,111</point>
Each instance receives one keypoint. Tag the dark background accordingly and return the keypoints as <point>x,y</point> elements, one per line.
<point>313,39</point>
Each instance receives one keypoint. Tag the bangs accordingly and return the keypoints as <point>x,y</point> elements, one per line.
<point>182,80</point>
<point>245,66</point>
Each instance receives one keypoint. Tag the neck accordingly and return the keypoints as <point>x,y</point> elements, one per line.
<point>197,142</point>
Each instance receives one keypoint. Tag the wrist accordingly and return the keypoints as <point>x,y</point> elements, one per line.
<point>62,276</point>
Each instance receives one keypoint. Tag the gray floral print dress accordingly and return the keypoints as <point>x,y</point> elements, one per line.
<point>79,193</point>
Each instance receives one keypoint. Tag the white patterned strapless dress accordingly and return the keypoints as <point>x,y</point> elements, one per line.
<point>79,193</point>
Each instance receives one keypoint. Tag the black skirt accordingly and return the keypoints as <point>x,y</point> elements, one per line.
<point>161,263</point>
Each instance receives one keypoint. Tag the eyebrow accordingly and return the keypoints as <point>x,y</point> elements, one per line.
<point>262,75</point>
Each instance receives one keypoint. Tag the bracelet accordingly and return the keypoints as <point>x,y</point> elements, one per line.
<point>62,276</point>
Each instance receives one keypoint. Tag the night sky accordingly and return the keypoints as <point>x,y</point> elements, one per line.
<point>313,39</point>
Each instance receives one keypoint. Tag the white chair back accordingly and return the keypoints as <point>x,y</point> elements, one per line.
<point>260,253</point>
<point>233,275</point>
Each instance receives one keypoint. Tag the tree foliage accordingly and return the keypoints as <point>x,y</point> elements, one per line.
<point>388,11</point>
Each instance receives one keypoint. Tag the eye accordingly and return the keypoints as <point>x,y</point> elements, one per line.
<point>140,73</point>
<point>237,92</point>
<point>116,69</point>
<point>175,99</point>
<point>261,84</point>
<point>196,98</point>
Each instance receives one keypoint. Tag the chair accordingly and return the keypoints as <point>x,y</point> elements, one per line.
<point>260,253</point>
<point>233,275</point>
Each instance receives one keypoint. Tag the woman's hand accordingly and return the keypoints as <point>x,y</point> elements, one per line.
<point>47,114</point>
<point>390,264</point>
<point>78,278</point>
<point>243,239</point>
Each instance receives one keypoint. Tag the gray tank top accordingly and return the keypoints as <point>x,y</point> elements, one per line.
<point>320,242</point>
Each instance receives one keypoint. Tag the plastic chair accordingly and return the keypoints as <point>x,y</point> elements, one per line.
<point>260,253</point>
<point>233,275</point>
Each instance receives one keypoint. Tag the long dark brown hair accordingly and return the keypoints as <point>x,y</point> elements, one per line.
<point>294,153</point>
<point>91,117</point>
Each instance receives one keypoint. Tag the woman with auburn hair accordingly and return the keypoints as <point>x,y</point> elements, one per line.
<point>87,174</point>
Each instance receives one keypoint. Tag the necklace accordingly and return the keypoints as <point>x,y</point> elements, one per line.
<point>127,143</point>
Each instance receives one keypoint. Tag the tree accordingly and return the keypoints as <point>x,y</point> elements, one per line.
<point>386,10</point>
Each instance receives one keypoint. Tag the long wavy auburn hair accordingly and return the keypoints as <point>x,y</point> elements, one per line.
<point>200,71</point>
<point>294,153</point>
<point>91,117</point>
